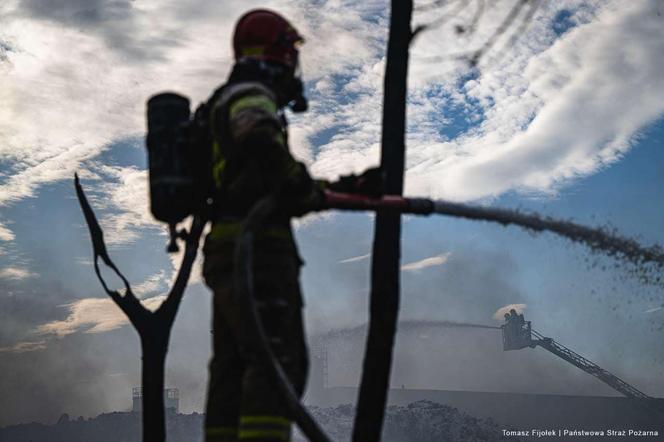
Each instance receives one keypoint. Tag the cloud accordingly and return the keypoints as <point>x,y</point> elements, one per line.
<point>500,313</point>
<point>126,194</point>
<point>426,262</point>
<point>23,347</point>
<point>151,284</point>
<point>355,259</point>
<point>93,315</point>
<point>94,11</point>
<point>15,273</point>
<point>5,233</point>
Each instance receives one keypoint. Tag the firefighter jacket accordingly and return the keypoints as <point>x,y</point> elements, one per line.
<point>250,159</point>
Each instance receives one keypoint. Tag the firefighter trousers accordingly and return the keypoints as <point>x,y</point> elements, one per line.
<point>243,402</point>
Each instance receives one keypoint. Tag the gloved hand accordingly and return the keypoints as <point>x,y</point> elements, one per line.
<point>370,183</point>
<point>301,194</point>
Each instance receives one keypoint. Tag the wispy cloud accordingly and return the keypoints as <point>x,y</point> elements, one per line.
<point>355,259</point>
<point>5,233</point>
<point>410,267</point>
<point>84,261</point>
<point>126,197</point>
<point>426,262</point>
<point>93,315</point>
<point>15,273</point>
<point>152,284</point>
<point>24,347</point>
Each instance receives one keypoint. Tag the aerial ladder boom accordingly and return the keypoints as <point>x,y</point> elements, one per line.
<point>518,334</point>
<point>588,366</point>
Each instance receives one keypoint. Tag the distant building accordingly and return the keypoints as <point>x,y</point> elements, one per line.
<point>171,399</point>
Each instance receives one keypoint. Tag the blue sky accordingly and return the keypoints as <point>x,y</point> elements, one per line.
<point>567,121</point>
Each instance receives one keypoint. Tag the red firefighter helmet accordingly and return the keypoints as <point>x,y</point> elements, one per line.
<point>265,35</point>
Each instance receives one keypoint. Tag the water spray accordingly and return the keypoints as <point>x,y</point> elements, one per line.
<point>404,326</point>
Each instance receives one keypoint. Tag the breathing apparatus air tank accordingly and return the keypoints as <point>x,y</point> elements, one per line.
<point>172,185</point>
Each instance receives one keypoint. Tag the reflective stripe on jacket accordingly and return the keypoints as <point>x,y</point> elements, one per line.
<point>250,157</point>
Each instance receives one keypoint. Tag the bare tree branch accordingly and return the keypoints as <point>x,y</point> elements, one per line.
<point>440,21</point>
<point>472,58</point>
<point>504,26</point>
<point>154,329</point>
<point>479,11</point>
<point>436,5</point>
<point>521,29</point>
